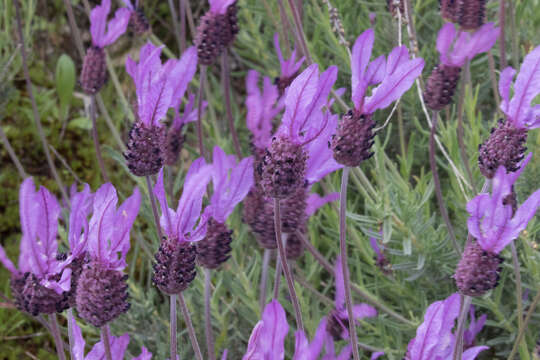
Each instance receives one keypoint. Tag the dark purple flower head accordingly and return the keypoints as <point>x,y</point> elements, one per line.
<point>289,68</point>
<point>434,338</point>
<point>492,221</point>
<point>395,75</point>
<point>526,87</point>
<point>137,20</point>
<point>118,346</point>
<point>338,320</point>
<point>104,34</point>
<point>262,108</point>
<point>457,47</point>
<point>109,228</point>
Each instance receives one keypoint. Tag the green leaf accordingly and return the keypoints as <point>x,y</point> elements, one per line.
<point>65,81</point>
<point>81,123</point>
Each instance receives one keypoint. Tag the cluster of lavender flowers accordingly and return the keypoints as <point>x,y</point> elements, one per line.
<point>296,141</point>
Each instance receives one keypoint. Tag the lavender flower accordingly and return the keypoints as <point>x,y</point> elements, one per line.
<point>470,13</point>
<point>381,260</point>
<point>231,184</point>
<point>217,30</point>
<point>338,320</point>
<point>158,87</point>
<point>175,260</point>
<point>494,224</point>
<point>289,68</point>
<point>506,144</point>
<point>102,290</point>
<point>118,346</point>
<point>94,71</point>
<point>267,339</point>
<point>434,338</point>
<point>137,20</point>
<point>475,326</point>
<point>42,281</point>
<point>354,136</point>
<point>455,49</point>
<point>305,118</point>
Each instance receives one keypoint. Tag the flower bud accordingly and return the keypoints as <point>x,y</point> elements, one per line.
<point>353,139</point>
<point>94,70</point>
<point>471,13</point>
<point>215,248</point>
<point>441,86</point>
<point>144,154</point>
<point>174,269</point>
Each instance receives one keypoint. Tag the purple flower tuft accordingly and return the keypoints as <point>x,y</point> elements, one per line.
<point>104,33</point>
<point>289,68</point>
<point>137,20</point>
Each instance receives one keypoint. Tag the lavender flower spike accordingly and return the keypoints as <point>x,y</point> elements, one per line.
<point>289,68</point>
<point>231,184</point>
<point>434,338</point>
<point>338,320</point>
<point>102,290</point>
<point>268,336</point>
<point>137,20</point>
<point>94,71</point>
<point>41,282</point>
<point>175,260</point>
<point>394,76</point>
<point>494,223</point>
<point>455,49</point>
<point>118,347</point>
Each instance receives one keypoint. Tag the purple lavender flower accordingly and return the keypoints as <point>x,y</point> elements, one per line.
<point>506,143</point>
<point>354,136</point>
<point>338,319</point>
<point>158,87</point>
<point>475,326</point>
<point>42,281</point>
<point>305,118</point>
<point>118,346</point>
<point>102,290</point>
<point>380,258</point>
<point>175,260</point>
<point>289,68</point>
<point>267,339</point>
<point>137,20</point>
<point>231,182</point>
<point>493,224</point>
<point>434,338</point>
<point>455,49</point>
<point>94,71</point>
<point>470,13</point>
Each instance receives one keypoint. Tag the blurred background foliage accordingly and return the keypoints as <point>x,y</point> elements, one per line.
<point>393,191</point>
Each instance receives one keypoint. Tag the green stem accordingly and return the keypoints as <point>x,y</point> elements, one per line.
<point>173,327</point>
<point>105,338</point>
<point>190,328</point>
<point>522,329</point>
<point>458,345</point>
<point>55,330</point>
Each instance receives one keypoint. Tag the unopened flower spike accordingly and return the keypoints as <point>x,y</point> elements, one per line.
<point>506,143</point>
<point>118,346</point>
<point>158,87</point>
<point>94,71</point>
<point>42,281</point>
<point>455,48</point>
<point>102,289</point>
<point>493,224</point>
<point>231,182</point>
<point>338,320</point>
<point>267,340</point>
<point>137,19</point>
<point>306,116</point>
<point>289,68</point>
<point>394,76</point>
<point>434,338</point>
<point>174,268</point>
<point>217,30</point>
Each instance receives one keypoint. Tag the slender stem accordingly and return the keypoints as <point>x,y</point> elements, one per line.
<point>458,345</point>
<point>514,34</point>
<point>12,154</point>
<point>502,39</point>
<point>460,131</point>
<point>343,254</point>
<point>493,78</point>
<point>105,338</point>
<point>323,298</point>
<point>189,325</point>
<point>264,279</point>
<point>190,21</point>
<point>70,332</point>
<point>55,331</point>
<point>154,207</point>
<point>208,316</point>
<point>277,278</point>
<point>519,289</point>
<point>300,31</point>
<point>522,329</point>
<point>74,29</point>
<point>226,81</point>
<point>182,7</point>
<point>285,265</point>
<point>437,182</point>
<point>35,110</point>
<point>173,327</point>
<point>401,131</point>
<point>176,26</point>
<point>95,137</point>
<point>199,110</point>
<point>286,26</point>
